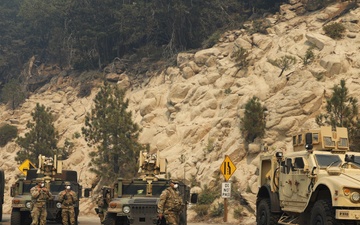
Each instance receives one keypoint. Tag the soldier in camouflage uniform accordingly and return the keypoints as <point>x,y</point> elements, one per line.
<point>67,198</point>
<point>39,195</point>
<point>170,204</point>
<point>103,201</point>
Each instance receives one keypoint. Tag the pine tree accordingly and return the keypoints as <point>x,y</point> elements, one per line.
<point>12,94</point>
<point>42,137</point>
<point>253,123</point>
<point>342,111</point>
<point>111,130</point>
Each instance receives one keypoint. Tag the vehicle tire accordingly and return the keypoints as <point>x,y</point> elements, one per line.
<point>26,218</point>
<point>322,213</point>
<point>15,218</point>
<point>110,219</point>
<point>264,216</point>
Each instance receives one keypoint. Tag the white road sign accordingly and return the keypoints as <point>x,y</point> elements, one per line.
<point>226,190</point>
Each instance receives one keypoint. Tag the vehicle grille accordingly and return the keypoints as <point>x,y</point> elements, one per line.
<point>145,201</point>
<point>52,211</point>
<point>138,210</point>
<point>50,204</point>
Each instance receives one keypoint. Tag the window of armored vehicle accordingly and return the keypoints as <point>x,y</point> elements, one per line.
<point>294,140</point>
<point>288,165</point>
<point>357,159</point>
<point>315,137</point>
<point>158,188</point>
<point>299,163</point>
<point>343,142</point>
<point>283,167</point>
<point>57,186</point>
<point>134,189</point>
<point>27,187</point>
<point>300,139</point>
<point>326,160</point>
<point>328,142</point>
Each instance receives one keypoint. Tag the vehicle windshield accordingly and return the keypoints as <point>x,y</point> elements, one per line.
<point>357,159</point>
<point>140,189</point>
<point>27,187</point>
<point>55,187</point>
<point>328,160</point>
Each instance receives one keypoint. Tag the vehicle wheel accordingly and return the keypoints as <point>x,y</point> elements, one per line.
<point>26,218</point>
<point>264,216</point>
<point>110,219</point>
<point>15,218</point>
<point>322,213</point>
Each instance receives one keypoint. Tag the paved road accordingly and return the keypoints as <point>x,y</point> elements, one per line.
<point>92,220</point>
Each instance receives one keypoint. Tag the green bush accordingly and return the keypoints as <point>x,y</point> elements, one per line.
<point>208,195</point>
<point>334,30</point>
<point>76,135</point>
<point>7,133</point>
<point>241,56</point>
<point>238,212</point>
<point>85,90</point>
<point>218,210</point>
<point>227,91</point>
<point>253,123</point>
<point>201,210</point>
<point>259,26</point>
<point>309,57</point>
<point>212,40</point>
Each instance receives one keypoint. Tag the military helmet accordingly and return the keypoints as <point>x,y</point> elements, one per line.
<point>175,181</point>
<point>67,183</point>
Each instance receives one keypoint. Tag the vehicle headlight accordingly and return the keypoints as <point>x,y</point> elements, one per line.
<point>58,205</point>
<point>126,209</point>
<point>355,196</point>
<point>28,205</point>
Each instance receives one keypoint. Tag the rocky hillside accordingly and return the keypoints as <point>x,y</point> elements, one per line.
<point>198,103</point>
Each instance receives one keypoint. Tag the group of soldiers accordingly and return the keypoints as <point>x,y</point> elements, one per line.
<point>40,195</point>
<point>169,206</point>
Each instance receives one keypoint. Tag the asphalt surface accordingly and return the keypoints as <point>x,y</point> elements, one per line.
<point>93,220</point>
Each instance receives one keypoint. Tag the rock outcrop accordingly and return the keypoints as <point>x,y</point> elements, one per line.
<point>199,102</point>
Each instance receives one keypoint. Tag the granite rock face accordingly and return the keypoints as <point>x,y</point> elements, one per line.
<point>186,109</point>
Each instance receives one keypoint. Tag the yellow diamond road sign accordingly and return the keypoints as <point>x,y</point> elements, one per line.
<point>227,168</point>
<point>25,166</point>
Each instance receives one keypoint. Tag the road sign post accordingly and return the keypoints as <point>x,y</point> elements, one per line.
<point>227,169</point>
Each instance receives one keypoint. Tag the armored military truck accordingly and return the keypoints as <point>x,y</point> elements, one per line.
<point>2,188</point>
<point>318,183</point>
<point>51,173</point>
<point>135,201</point>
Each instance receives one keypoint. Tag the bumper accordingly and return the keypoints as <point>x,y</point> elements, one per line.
<point>347,214</point>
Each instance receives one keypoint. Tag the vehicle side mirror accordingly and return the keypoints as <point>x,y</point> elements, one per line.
<point>12,191</point>
<point>87,192</point>
<point>194,198</point>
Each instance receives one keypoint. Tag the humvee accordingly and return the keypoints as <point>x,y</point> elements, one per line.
<point>50,171</point>
<point>318,183</point>
<point>135,201</point>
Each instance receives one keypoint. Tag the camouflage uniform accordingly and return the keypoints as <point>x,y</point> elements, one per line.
<point>39,196</point>
<point>103,204</point>
<point>67,198</point>
<point>170,205</point>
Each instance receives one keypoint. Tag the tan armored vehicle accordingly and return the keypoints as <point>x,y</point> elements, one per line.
<point>316,184</point>
<point>135,201</point>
